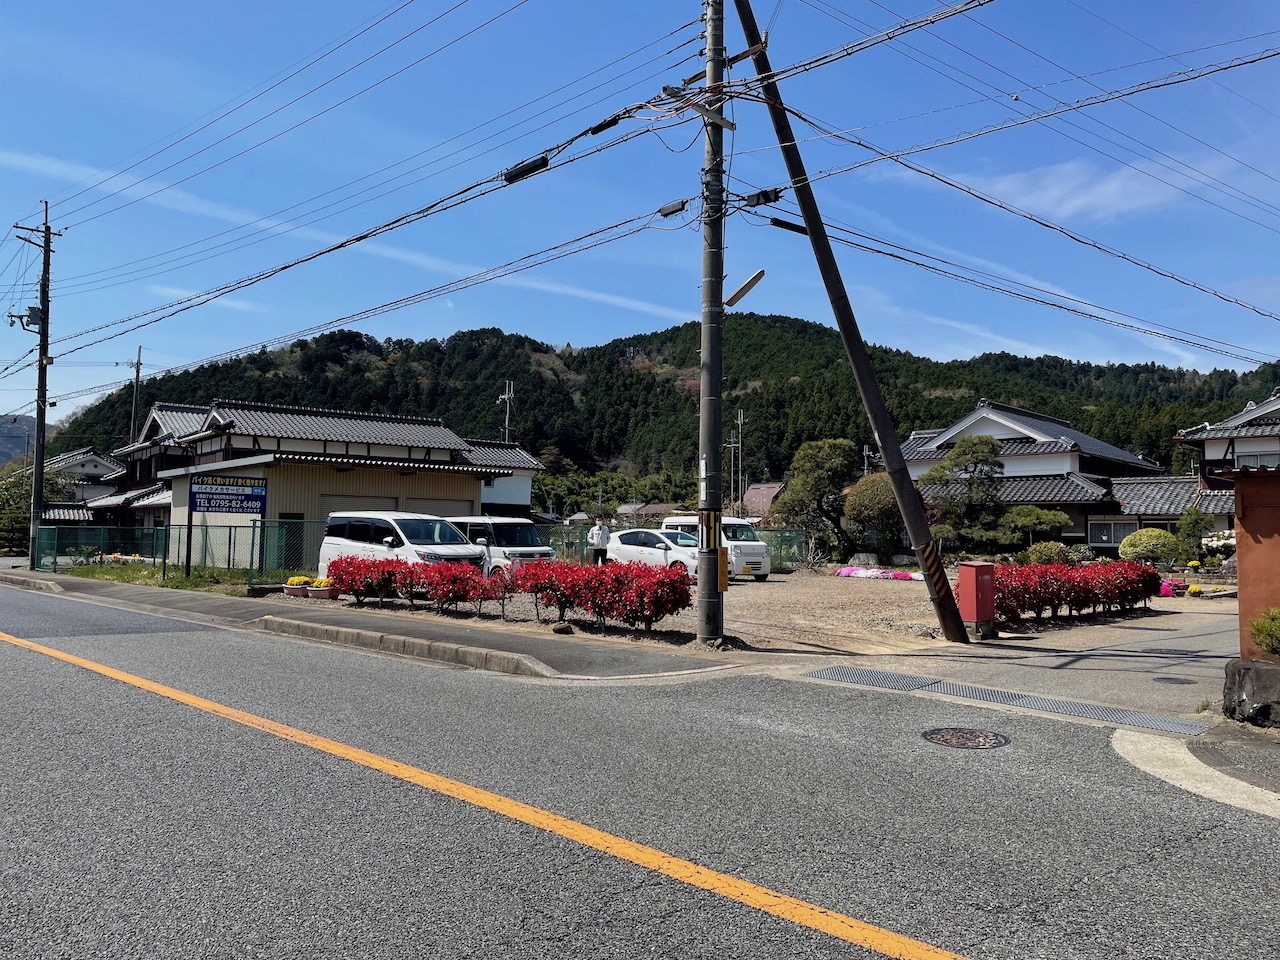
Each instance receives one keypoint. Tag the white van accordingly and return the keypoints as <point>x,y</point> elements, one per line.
<point>507,541</point>
<point>382,534</point>
<point>747,552</point>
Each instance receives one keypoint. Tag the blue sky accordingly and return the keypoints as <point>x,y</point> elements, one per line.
<point>183,147</point>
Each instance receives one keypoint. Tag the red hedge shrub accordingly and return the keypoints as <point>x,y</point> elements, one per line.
<point>1034,589</point>
<point>554,583</point>
<point>448,583</point>
<point>363,577</point>
<point>632,593</point>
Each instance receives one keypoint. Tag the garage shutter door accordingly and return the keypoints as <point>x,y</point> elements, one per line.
<point>440,508</point>
<point>338,502</point>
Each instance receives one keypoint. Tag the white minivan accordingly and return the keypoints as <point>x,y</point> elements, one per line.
<point>382,534</point>
<point>507,541</point>
<point>748,554</point>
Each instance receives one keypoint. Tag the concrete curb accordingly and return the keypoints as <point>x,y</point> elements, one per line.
<point>498,661</point>
<point>30,583</point>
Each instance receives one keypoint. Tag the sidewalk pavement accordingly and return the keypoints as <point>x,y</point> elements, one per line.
<point>1166,678</point>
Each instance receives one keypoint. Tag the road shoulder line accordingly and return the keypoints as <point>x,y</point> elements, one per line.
<point>1170,760</point>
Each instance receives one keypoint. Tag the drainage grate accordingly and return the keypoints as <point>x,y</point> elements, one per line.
<point>985,694</point>
<point>872,678</point>
<point>1067,708</point>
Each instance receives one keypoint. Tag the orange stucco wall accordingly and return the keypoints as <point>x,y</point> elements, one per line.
<point>1257,553</point>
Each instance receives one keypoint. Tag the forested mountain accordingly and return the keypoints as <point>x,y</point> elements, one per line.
<point>17,436</point>
<point>632,404</point>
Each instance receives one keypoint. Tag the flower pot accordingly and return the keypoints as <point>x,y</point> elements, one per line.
<point>295,591</point>
<point>323,593</point>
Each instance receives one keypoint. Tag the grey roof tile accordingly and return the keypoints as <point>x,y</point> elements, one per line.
<point>1063,430</point>
<point>1217,431</point>
<point>67,512</point>
<point>1147,496</point>
<point>495,453</point>
<point>339,426</point>
<point>382,463</point>
<point>1048,489</point>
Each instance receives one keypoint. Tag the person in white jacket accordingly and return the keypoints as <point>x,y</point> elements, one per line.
<point>598,538</point>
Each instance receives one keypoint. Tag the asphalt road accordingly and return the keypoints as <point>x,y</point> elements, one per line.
<point>139,826</point>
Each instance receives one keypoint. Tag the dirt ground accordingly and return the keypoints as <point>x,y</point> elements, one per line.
<point>814,612</point>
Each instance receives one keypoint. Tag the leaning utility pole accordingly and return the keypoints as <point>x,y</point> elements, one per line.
<point>904,490</point>
<point>42,384</point>
<point>710,432</point>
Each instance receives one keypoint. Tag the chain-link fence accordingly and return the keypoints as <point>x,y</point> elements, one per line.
<point>271,551</point>
<point>281,549</point>
<point>211,548</point>
<point>61,547</point>
<point>786,548</point>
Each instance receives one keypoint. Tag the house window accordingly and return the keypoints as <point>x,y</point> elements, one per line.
<point>1109,533</point>
<point>488,481</point>
<point>1258,460</point>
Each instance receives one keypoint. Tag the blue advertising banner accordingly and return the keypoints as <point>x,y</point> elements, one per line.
<point>217,493</point>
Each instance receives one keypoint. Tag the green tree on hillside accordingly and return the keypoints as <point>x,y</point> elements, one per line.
<point>963,490</point>
<point>872,506</point>
<point>814,497</point>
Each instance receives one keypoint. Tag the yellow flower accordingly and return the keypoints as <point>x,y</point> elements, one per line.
<point>1193,564</point>
<point>1193,590</point>
<point>298,582</point>
<point>323,582</point>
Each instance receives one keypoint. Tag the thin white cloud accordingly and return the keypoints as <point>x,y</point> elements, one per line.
<point>873,300</point>
<point>183,202</point>
<point>1078,190</point>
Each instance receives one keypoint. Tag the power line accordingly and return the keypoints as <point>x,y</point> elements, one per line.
<point>1015,102</point>
<point>463,195</point>
<point>587,241</point>
<point>69,288</point>
<point>300,123</point>
<point>1003,285</point>
<point>240,105</point>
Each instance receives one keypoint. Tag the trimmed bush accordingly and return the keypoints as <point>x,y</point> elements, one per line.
<point>1048,551</point>
<point>1150,546</point>
<point>1037,590</point>
<point>632,593</point>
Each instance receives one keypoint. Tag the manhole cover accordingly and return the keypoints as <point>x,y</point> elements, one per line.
<point>963,738</point>
<point>1178,680</point>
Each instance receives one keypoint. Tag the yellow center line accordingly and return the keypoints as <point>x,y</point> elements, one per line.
<point>877,939</point>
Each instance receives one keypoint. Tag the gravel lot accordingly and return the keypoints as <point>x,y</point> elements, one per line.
<point>808,611</point>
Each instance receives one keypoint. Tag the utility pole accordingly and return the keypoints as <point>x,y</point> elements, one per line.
<point>742,468</point>
<point>733,447</point>
<point>507,396</point>
<point>137,382</point>
<point>710,433</point>
<point>904,490</point>
<point>37,321</point>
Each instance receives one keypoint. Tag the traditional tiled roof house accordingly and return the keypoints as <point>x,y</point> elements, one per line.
<point>1107,492</point>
